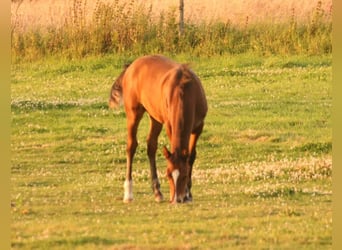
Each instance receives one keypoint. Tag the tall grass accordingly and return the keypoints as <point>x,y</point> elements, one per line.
<point>132,28</point>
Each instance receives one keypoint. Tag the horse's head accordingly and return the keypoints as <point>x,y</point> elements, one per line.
<point>177,174</point>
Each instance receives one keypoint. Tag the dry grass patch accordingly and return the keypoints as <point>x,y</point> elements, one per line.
<point>54,12</point>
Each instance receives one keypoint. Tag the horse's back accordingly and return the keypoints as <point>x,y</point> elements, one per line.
<point>149,69</point>
<point>150,79</point>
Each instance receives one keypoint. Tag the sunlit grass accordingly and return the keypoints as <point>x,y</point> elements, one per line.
<point>262,178</point>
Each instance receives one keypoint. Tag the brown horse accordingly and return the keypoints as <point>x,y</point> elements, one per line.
<point>172,95</point>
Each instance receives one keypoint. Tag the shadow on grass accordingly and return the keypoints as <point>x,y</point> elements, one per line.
<point>69,243</point>
<point>42,105</point>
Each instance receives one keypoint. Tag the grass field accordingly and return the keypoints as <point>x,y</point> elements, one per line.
<point>262,179</point>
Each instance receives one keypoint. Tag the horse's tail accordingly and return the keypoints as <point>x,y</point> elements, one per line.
<point>115,98</point>
<point>115,95</point>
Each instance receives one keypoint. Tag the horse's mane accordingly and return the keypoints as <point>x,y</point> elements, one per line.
<point>184,74</point>
<point>181,78</point>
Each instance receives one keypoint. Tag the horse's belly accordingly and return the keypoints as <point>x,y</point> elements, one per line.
<point>157,117</point>
<point>153,110</point>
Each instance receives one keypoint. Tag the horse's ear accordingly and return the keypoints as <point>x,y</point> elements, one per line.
<point>166,152</point>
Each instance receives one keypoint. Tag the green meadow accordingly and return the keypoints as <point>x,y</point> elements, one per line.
<point>262,178</point>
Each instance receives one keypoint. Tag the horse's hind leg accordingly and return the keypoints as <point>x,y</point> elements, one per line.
<point>133,118</point>
<point>152,145</point>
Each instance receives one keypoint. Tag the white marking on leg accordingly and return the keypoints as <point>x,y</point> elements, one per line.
<point>175,175</point>
<point>128,188</point>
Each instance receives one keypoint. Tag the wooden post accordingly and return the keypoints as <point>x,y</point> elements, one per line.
<point>181,17</point>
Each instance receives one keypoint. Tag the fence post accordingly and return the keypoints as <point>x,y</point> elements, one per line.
<point>181,17</point>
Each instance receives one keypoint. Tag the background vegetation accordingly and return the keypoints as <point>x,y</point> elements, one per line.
<point>131,27</point>
<point>263,176</point>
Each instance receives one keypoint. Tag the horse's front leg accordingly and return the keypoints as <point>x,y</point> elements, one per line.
<point>192,148</point>
<point>133,119</point>
<point>152,145</point>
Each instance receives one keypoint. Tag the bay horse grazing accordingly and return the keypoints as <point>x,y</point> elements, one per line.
<point>172,95</point>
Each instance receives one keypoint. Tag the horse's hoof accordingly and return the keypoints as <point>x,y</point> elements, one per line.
<point>127,200</point>
<point>174,202</point>
<point>158,197</point>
